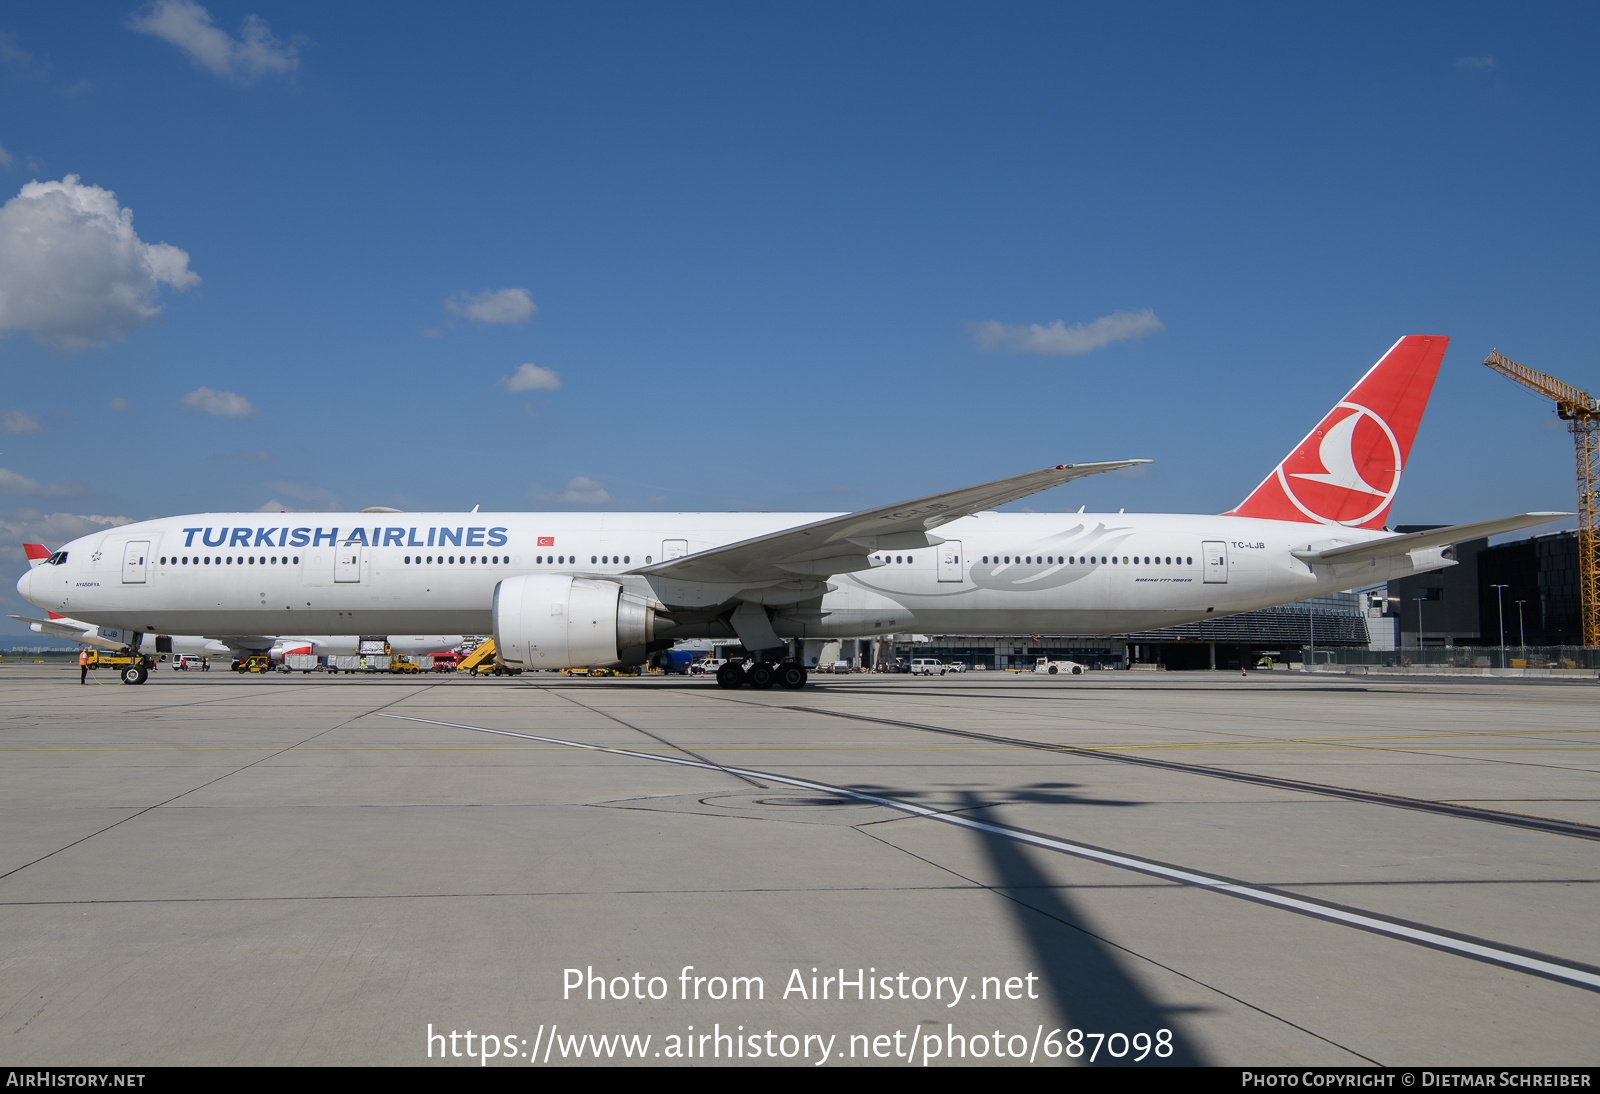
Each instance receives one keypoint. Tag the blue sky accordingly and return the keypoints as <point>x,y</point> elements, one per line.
<point>776,257</point>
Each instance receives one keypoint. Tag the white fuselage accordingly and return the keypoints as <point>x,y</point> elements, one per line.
<point>416,573</point>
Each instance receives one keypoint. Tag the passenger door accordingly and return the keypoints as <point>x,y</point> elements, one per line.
<point>347,563</point>
<point>1215,552</point>
<point>950,568</point>
<point>134,559</point>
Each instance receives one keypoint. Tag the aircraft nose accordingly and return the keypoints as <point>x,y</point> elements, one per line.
<point>23,583</point>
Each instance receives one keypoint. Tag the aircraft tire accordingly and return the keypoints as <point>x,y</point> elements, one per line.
<point>134,674</point>
<point>761,676</point>
<point>730,675</point>
<point>791,676</point>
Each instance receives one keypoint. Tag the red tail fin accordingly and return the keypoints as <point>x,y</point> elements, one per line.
<point>36,552</point>
<point>1347,470</point>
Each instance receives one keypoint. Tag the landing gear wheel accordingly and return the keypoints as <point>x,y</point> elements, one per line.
<point>134,674</point>
<point>791,676</point>
<point>730,675</point>
<point>761,676</point>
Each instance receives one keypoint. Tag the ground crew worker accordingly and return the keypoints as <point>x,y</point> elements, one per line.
<point>83,667</point>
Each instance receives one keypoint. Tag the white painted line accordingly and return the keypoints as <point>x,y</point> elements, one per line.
<point>1478,950</point>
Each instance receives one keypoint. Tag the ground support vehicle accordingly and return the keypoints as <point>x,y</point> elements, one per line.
<point>927,666</point>
<point>255,662</point>
<point>132,667</point>
<point>481,659</point>
<point>1058,668</point>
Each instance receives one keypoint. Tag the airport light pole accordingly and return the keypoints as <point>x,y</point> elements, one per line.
<point>1500,600</point>
<point>1422,648</point>
<point>1522,632</point>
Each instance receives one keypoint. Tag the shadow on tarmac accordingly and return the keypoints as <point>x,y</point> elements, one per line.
<point>1093,992</point>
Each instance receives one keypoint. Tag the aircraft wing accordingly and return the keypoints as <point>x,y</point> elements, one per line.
<point>1414,541</point>
<point>57,628</point>
<point>841,545</point>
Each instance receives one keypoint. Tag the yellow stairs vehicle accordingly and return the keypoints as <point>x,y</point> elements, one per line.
<point>482,660</point>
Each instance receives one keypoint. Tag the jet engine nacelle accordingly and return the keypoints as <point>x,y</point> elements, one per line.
<point>556,622</point>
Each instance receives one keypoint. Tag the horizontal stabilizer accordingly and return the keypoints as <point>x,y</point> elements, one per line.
<point>1417,541</point>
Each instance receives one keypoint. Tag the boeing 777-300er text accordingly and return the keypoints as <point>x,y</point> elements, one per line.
<point>570,590</point>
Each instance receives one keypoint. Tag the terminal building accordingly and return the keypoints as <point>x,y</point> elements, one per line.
<point>1531,586</point>
<point>1287,633</point>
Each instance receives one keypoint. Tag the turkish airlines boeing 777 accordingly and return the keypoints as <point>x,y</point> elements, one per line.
<point>562,590</point>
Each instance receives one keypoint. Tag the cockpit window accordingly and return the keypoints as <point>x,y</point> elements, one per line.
<point>56,559</point>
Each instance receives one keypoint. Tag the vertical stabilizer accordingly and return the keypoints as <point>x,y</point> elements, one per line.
<point>1347,470</point>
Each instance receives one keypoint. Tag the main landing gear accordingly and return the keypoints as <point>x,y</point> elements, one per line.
<point>762,675</point>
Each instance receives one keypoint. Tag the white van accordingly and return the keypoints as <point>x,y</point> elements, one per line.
<point>927,666</point>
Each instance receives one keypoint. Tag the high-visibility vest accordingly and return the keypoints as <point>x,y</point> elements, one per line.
<point>83,657</point>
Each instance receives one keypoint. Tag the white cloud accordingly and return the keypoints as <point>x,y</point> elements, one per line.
<point>20,421</point>
<point>72,272</point>
<point>21,526</point>
<point>1060,340</point>
<point>492,306</point>
<point>316,499</point>
<point>221,404</point>
<point>20,486</point>
<point>532,377</point>
<point>18,61</point>
<point>245,59</point>
<point>1477,64</point>
<point>5,158</point>
<point>581,490</point>
<point>121,405</point>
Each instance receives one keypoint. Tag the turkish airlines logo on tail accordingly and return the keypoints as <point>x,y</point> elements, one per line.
<point>1360,461</point>
<point>1346,471</point>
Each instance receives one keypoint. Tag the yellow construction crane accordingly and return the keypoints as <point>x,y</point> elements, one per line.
<point>1581,412</point>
